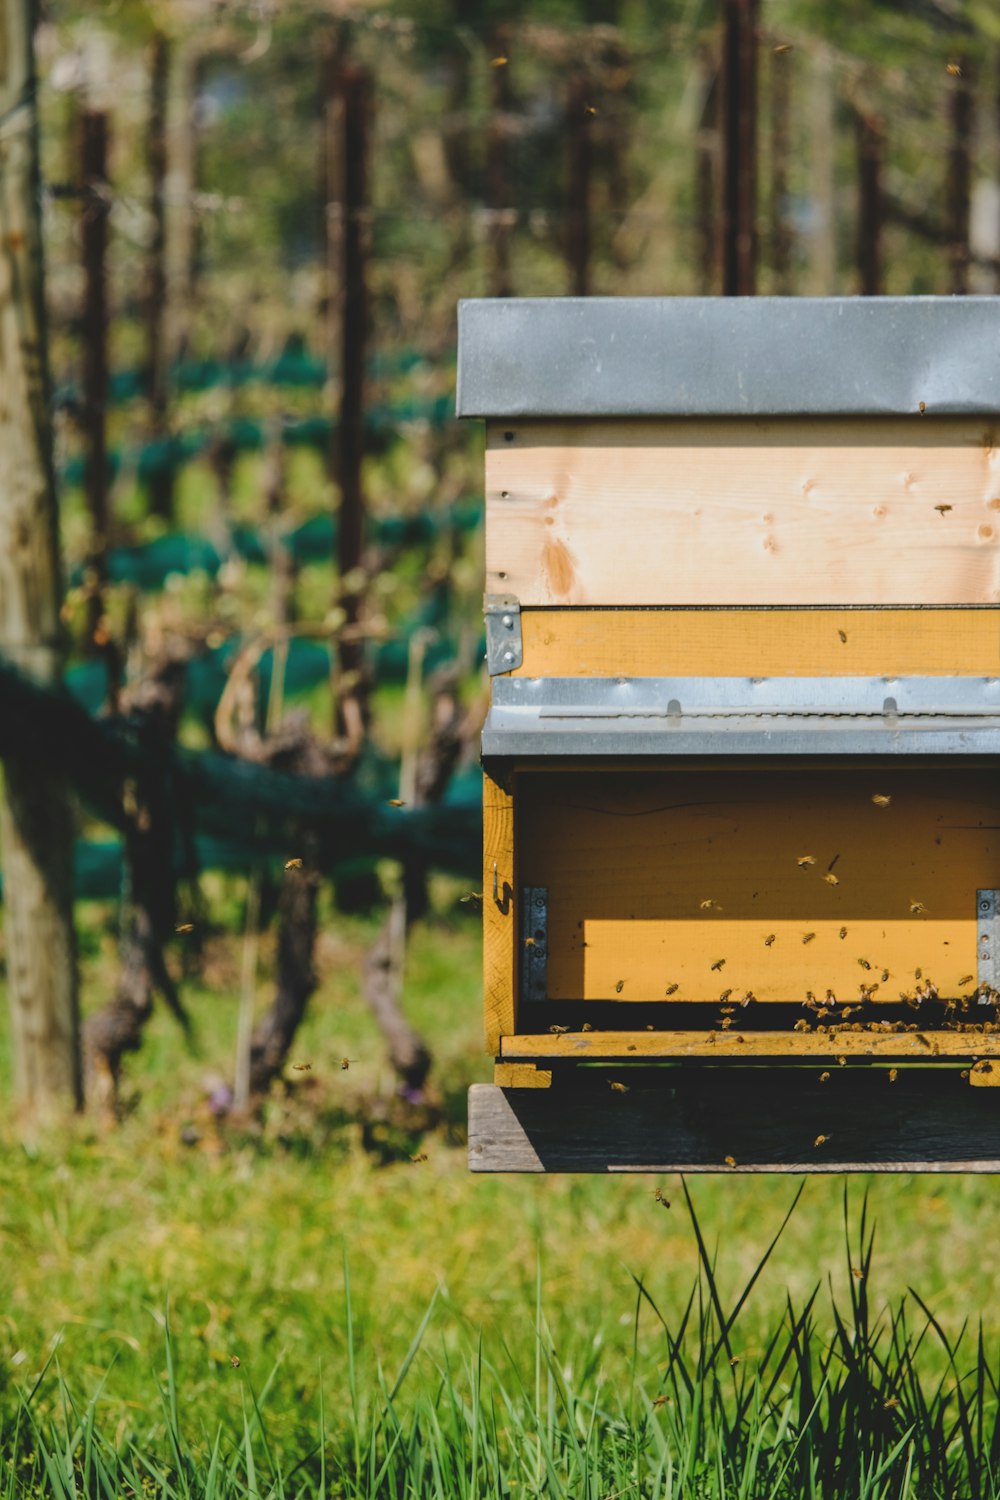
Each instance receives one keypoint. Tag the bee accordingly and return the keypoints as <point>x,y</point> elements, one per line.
<point>807,937</point>
<point>529,942</point>
<point>824,1077</point>
<point>804,860</point>
<point>420,1156</point>
<point>880,799</point>
<point>345,1063</point>
<point>734,1361</point>
<point>619,986</point>
<point>922,1039</point>
<point>395,802</point>
<point>726,1023</point>
<point>843,933</point>
<point>885,976</point>
<point>586,1026</point>
<point>965,981</point>
<point>730,1161</point>
<point>921,407</point>
<point>893,1074</point>
<point>864,963</point>
<point>709,905</point>
<point>234,1360</point>
<point>820,1140</point>
<point>661,1199</point>
<point>672,989</point>
<point>964,1073</point>
<point>918,973</point>
<point>302,1067</point>
<point>782,48</point>
<point>769,939</point>
<point>631,1047</point>
<point>589,109</point>
<point>891,1405</point>
<point>942,510</point>
<point>499,62</point>
<point>659,1401</point>
<point>849,1010</point>
<point>802,1025</point>
<point>558,1030</point>
<point>843,637</point>
<point>858,1275</point>
<point>831,878</point>
<point>724,996</point>
<point>619,1088</point>
<point>473,899</point>
<point>719,964</point>
<point>293,864</point>
<point>954,69</point>
<point>185,927</point>
<point>841,1062</point>
<point>917,909</point>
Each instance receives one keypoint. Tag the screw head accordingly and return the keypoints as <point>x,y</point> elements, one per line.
<point>508,620</point>
<point>508,656</point>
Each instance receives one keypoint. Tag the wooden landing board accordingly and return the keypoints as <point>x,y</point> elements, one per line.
<point>825,1049</point>
<point>760,642</point>
<point>825,511</point>
<point>742,1120</point>
<point>685,884</point>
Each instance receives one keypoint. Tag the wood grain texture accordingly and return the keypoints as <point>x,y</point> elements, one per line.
<point>850,511</point>
<point>823,1048</point>
<point>685,884</point>
<point>749,1120</point>
<point>521,1076</point>
<point>499,914</point>
<point>759,642</point>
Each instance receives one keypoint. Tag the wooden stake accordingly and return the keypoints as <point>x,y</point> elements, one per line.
<point>155,291</point>
<point>350,122</point>
<point>579,116</point>
<point>870,140</point>
<point>498,163</point>
<point>35,827</point>
<point>959,175</point>
<point>739,137</point>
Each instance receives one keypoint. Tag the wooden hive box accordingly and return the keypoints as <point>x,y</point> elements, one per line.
<point>741,806</point>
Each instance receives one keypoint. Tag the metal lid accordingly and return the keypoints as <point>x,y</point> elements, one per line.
<point>587,357</point>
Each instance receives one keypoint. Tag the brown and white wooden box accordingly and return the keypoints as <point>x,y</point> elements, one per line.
<point>742,802</point>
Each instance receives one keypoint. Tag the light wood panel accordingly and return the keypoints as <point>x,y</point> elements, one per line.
<point>739,1120</point>
<point>759,642</point>
<point>499,913</point>
<point>822,1049</point>
<point>684,885</point>
<point>875,511</point>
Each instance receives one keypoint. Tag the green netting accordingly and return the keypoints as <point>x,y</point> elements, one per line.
<point>228,813</point>
<point>148,565</point>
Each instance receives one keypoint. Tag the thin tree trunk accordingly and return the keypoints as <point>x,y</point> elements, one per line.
<point>35,827</point>
<point>161,484</point>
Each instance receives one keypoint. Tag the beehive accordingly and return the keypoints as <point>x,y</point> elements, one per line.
<point>741,799</point>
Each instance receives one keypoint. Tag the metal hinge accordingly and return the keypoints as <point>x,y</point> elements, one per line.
<point>987,944</point>
<point>504,651</point>
<point>534,942</point>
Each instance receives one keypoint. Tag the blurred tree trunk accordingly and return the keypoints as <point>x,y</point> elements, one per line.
<point>35,823</point>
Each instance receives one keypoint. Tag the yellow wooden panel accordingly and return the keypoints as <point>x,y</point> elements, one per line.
<point>759,642</point>
<point>499,913</point>
<point>748,1046</point>
<point>687,884</point>
<point>858,511</point>
<point>521,1076</point>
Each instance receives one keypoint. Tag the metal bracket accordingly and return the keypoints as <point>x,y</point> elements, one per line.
<point>534,942</point>
<point>987,944</point>
<point>504,650</point>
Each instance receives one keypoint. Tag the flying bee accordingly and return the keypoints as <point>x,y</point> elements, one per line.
<point>709,905</point>
<point>954,69</point>
<point>921,407</point>
<point>841,1062</point>
<point>473,899</point>
<point>726,1022</point>
<point>880,799</point>
<point>302,1067</point>
<point>730,1161</point>
<point>804,860</point>
<point>661,1199</point>
<point>619,1088</point>
<point>807,937</point>
<point>420,1156</point>
<point>586,1026</point>
<point>820,1140</point>
<point>942,510</point>
<point>885,975</point>
<point>395,802</point>
<point>891,1405</point>
<point>234,1360</point>
<point>918,973</point>
<point>345,1063</point>
<point>185,927</point>
<point>724,996</point>
<point>734,1361</point>
<point>831,878</point>
<point>917,909</point>
<point>719,964</point>
<point>801,1025</point>
<point>293,864</point>
<point>893,1074</point>
<point>558,1030</point>
<point>498,62</point>
<point>843,637</point>
<point>967,980</point>
<point>782,48</point>
<point>857,1274</point>
<point>824,1077</point>
<point>769,939</point>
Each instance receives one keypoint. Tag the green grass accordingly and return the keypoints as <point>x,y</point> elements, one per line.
<point>137,1264</point>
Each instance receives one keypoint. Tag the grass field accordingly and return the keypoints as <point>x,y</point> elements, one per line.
<point>159,1279</point>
